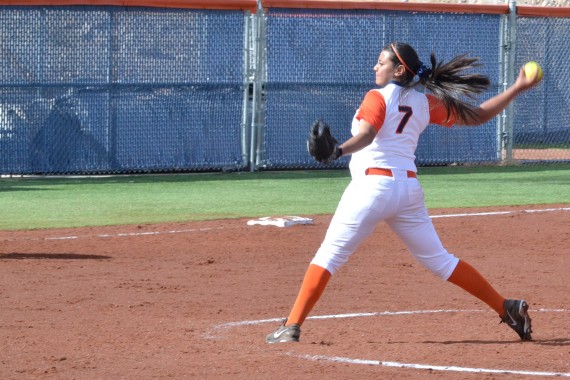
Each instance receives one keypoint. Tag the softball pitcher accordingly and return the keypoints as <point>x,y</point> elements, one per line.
<point>385,132</point>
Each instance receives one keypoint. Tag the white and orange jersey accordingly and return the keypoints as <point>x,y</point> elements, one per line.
<point>399,115</point>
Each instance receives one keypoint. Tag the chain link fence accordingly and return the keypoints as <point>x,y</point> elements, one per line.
<point>119,90</point>
<point>541,131</point>
<point>107,90</point>
<point>320,65</point>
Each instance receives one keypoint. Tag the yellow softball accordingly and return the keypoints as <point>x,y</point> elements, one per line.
<point>531,68</point>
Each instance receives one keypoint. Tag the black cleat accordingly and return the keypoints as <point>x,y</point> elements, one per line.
<point>516,316</point>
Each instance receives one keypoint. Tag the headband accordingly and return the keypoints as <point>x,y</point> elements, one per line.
<point>401,60</point>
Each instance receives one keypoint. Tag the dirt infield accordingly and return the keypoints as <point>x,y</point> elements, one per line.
<point>195,300</point>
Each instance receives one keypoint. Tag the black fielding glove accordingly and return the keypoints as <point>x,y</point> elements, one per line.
<point>321,144</point>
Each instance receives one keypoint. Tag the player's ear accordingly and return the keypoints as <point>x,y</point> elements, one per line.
<point>400,71</point>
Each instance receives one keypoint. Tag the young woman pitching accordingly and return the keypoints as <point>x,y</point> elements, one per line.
<point>384,187</point>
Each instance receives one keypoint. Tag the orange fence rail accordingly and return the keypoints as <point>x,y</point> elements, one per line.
<point>251,5</point>
<point>543,11</point>
<point>388,6</point>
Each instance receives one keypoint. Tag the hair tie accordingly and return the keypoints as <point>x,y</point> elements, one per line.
<point>423,71</point>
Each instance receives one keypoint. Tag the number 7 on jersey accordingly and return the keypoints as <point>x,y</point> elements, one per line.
<point>407,111</point>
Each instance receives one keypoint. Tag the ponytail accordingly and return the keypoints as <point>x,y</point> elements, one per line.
<point>445,80</point>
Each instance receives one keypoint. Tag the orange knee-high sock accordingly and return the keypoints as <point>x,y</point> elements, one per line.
<point>313,286</point>
<point>470,280</point>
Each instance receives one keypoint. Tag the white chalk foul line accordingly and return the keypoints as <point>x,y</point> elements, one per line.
<point>340,359</point>
<point>501,212</point>
<point>131,234</point>
<point>369,314</point>
<point>118,235</point>
<point>347,315</point>
<point>134,234</point>
<point>212,334</point>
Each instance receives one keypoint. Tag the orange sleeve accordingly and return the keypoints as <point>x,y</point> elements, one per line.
<point>438,113</point>
<point>373,109</point>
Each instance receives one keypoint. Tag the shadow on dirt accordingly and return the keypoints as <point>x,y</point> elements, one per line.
<point>52,256</point>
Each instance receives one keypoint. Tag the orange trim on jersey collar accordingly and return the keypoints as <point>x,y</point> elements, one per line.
<point>400,59</point>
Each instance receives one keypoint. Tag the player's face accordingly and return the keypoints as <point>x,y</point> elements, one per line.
<point>384,68</point>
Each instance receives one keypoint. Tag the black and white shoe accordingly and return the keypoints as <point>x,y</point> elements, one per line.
<point>516,316</point>
<point>285,334</point>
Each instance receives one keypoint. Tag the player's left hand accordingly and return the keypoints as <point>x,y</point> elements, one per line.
<point>321,144</point>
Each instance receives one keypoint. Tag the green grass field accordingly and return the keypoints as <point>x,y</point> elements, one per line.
<point>31,203</point>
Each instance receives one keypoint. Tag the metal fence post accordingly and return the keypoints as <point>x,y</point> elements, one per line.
<point>510,77</point>
<point>246,116</point>
<point>257,106</point>
<point>502,85</point>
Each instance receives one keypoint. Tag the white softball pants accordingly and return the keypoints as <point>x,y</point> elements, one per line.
<point>399,201</point>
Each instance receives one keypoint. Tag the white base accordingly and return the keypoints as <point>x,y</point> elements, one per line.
<point>284,221</point>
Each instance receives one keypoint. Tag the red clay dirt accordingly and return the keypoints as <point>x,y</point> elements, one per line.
<point>192,300</point>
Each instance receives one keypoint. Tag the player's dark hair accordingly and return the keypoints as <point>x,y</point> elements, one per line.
<point>445,80</point>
